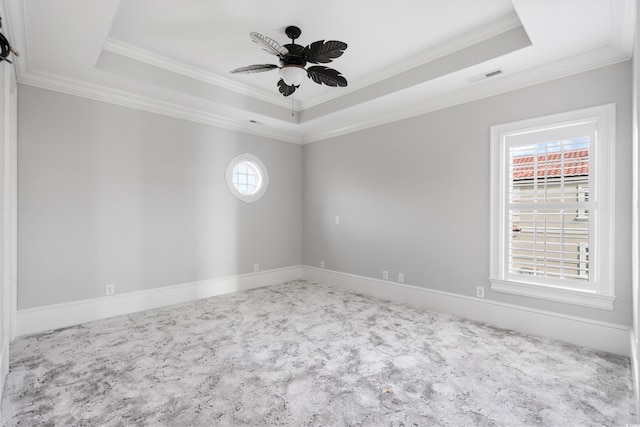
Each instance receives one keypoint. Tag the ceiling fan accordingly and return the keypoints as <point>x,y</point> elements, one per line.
<point>294,58</point>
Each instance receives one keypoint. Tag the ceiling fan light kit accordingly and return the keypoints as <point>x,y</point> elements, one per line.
<point>293,59</point>
<point>292,74</point>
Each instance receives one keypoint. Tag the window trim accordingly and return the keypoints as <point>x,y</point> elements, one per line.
<point>603,295</point>
<point>264,179</point>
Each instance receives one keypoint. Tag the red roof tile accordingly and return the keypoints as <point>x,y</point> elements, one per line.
<point>576,163</point>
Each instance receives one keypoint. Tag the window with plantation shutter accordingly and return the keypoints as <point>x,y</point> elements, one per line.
<point>547,181</point>
<point>552,207</point>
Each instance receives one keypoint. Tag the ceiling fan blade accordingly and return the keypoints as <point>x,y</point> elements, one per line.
<point>269,45</point>
<point>285,89</point>
<point>258,68</point>
<point>322,52</point>
<point>325,75</point>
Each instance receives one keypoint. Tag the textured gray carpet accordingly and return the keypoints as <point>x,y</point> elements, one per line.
<point>302,353</point>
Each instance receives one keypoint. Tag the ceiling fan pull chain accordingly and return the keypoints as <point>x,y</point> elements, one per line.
<point>292,105</point>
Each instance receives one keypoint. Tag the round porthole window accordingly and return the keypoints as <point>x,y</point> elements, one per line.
<point>247,177</point>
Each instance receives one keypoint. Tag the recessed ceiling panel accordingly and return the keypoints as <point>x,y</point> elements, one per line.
<point>382,35</point>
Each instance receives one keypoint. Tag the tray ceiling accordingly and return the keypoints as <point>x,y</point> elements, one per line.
<point>404,58</point>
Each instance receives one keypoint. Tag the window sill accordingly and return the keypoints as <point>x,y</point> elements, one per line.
<point>551,293</point>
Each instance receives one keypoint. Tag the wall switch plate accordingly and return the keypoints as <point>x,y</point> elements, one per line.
<point>110,289</point>
<point>385,275</point>
<point>480,292</point>
<point>337,219</point>
<point>256,268</point>
<point>321,263</point>
<point>400,277</point>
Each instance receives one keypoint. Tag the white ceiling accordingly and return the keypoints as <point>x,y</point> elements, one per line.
<point>405,57</point>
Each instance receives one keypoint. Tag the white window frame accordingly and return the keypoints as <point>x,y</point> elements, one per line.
<point>600,293</point>
<point>263,177</point>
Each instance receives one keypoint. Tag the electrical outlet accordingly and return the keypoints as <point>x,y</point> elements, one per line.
<point>110,289</point>
<point>480,292</point>
<point>385,275</point>
<point>322,263</point>
<point>400,277</point>
<point>256,268</point>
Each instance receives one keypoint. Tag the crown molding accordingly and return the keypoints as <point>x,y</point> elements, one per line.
<point>127,50</point>
<point>563,68</point>
<point>126,99</point>
<point>617,51</point>
<point>463,41</point>
<point>622,36</point>
<point>468,39</point>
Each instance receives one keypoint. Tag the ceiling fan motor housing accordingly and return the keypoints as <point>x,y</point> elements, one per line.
<point>295,55</point>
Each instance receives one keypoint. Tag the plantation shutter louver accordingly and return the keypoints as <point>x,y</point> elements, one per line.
<point>550,205</point>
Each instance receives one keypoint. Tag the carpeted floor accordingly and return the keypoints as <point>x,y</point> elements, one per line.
<point>303,353</point>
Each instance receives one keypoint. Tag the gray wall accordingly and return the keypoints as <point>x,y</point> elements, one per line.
<point>413,196</point>
<point>108,194</point>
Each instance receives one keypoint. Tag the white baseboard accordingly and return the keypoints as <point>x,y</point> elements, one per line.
<point>609,337</point>
<point>635,372</point>
<point>67,314</point>
<point>4,368</point>
<point>604,336</point>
